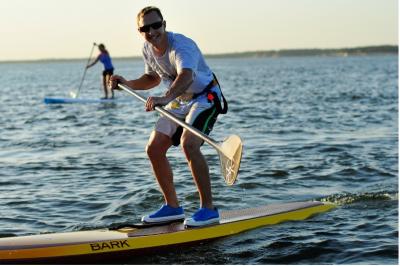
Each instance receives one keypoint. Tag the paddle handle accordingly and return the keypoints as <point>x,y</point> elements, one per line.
<point>167,114</point>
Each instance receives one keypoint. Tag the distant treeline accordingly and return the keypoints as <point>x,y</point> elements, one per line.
<point>366,50</point>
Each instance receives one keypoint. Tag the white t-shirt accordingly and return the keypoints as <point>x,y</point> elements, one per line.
<point>182,52</point>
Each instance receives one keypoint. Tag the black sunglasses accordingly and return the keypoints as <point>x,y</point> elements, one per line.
<point>155,26</point>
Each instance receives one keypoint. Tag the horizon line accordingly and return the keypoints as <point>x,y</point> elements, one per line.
<point>384,48</point>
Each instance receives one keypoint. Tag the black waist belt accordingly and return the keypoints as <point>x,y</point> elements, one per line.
<point>213,96</point>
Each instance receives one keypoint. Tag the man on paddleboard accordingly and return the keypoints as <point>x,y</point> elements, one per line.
<point>193,94</point>
<point>105,58</point>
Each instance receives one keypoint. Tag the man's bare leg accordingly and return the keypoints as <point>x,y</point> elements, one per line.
<point>156,149</point>
<point>198,165</point>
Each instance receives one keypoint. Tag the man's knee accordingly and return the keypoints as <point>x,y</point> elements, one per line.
<point>190,144</point>
<point>151,149</point>
<point>157,145</point>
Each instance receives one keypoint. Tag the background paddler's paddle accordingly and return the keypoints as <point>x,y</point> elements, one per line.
<point>229,151</point>
<point>76,94</point>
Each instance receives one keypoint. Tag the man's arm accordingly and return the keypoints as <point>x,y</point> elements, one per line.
<point>178,87</point>
<point>145,82</point>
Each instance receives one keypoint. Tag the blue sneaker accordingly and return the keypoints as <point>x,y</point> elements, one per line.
<point>202,217</point>
<point>165,214</point>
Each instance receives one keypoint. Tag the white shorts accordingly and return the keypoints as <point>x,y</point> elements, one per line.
<point>200,112</point>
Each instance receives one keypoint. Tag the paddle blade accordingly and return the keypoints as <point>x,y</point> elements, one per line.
<point>230,156</point>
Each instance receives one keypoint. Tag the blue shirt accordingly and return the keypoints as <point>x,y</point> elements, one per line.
<point>105,59</point>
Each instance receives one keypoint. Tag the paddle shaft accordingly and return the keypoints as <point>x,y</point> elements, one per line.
<point>84,72</point>
<point>167,114</point>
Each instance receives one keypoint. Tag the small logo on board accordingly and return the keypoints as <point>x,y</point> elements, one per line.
<point>109,245</point>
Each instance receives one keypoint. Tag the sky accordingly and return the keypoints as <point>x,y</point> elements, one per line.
<point>48,29</point>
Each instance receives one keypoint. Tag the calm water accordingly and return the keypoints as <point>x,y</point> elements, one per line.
<point>320,128</point>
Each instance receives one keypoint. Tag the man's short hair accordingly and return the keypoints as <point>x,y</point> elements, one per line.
<point>146,11</point>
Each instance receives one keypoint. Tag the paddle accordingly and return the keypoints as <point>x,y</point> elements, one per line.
<point>73,94</point>
<point>229,151</point>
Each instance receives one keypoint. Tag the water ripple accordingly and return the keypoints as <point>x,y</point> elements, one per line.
<point>308,135</point>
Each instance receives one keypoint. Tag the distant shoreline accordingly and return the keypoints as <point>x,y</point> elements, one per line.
<point>365,50</point>
<point>340,52</point>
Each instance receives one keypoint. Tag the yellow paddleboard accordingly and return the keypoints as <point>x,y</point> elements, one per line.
<point>94,245</point>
